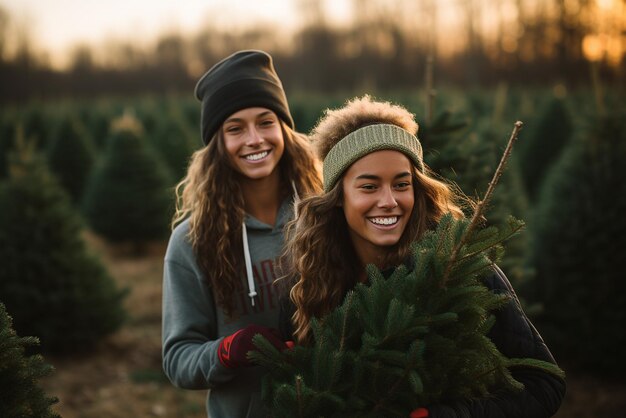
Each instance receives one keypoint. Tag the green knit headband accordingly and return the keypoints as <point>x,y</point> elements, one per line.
<point>366,140</point>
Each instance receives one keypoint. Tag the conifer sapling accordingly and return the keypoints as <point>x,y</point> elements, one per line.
<point>415,338</point>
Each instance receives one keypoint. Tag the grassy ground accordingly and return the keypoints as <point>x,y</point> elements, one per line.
<point>122,377</point>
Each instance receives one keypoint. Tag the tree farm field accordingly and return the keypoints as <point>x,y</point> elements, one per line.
<point>122,376</point>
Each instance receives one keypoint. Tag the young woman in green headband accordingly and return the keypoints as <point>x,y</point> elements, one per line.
<point>378,198</point>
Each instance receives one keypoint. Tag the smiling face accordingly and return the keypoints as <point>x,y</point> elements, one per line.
<point>377,203</point>
<point>254,141</point>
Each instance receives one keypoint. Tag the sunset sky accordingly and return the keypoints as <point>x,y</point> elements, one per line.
<point>58,26</point>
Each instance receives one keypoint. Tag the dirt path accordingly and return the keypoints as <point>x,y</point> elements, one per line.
<point>123,376</point>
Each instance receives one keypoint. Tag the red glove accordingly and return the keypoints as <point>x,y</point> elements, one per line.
<point>419,413</point>
<point>233,349</point>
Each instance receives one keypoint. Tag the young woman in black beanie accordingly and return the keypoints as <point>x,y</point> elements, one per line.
<point>238,194</point>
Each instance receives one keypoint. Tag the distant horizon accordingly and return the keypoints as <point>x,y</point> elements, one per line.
<point>55,31</point>
<point>66,24</point>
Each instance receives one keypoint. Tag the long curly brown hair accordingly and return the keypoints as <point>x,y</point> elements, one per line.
<point>210,196</point>
<point>318,247</point>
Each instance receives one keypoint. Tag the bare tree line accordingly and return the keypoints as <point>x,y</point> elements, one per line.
<point>385,46</point>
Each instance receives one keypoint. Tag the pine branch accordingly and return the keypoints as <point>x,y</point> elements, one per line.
<point>410,374</point>
<point>482,204</point>
<point>472,251</point>
<point>537,364</point>
<point>392,390</point>
<point>299,396</point>
<point>348,305</point>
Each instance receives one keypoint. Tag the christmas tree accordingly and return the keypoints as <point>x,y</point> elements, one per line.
<point>71,156</point>
<point>54,288</point>
<point>579,246</point>
<point>406,341</point>
<point>547,138</point>
<point>8,128</point>
<point>127,197</point>
<point>20,396</point>
<point>467,155</point>
<point>174,142</point>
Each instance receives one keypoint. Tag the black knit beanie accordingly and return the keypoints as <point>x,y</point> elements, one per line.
<point>244,79</point>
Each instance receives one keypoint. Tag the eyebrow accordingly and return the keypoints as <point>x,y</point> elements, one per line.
<point>260,115</point>
<point>375,177</point>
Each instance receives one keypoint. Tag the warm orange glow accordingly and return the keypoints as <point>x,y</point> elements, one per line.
<point>614,50</point>
<point>603,46</point>
<point>509,44</point>
<point>592,47</point>
<point>606,4</point>
<point>56,28</point>
<point>607,20</point>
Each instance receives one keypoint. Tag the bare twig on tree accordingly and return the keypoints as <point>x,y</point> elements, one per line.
<point>482,204</point>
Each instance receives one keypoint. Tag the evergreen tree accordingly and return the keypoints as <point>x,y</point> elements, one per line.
<point>306,109</point>
<point>468,159</point>
<point>508,199</point>
<point>447,127</point>
<point>20,396</point>
<point>148,112</point>
<point>127,198</point>
<point>71,156</point>
<point>36,125</point>
<point>544,141</point>
<point>191,115</point>
<point>8,131</point>
<point>53,287</point>
<point>416,338</point>
<point>175,143</point>
<point>97,120</point>
<point>578,246</point>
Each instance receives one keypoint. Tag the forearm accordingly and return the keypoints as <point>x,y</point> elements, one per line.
<point>190,336</point>
<point>194,365</point>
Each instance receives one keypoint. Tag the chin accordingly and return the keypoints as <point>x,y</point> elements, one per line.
<point>388,242</point>
<point>256,174</point>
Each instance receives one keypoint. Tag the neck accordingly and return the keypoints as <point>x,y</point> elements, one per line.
<point>372,255</point>
<point>362,278</point>
<point>262,197</point>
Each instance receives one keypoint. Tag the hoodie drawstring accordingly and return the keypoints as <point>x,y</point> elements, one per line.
<point>246,249</point>
<point>296,199</point>
<point>246,255</point>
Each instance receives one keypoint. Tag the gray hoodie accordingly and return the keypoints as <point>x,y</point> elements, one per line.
<point>193,326</point>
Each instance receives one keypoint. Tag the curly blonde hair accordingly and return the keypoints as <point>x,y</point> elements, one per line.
<point>318,247</point>
<point>210,196</point>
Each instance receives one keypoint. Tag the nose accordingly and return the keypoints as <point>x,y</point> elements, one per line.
<point>387,199</point>
<point>253,139</point>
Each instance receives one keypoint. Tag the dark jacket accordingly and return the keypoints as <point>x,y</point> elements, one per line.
<point>516,337</point>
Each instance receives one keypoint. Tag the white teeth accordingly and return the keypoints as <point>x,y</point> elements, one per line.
<point>255,157</point>
<point>385,221</point>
